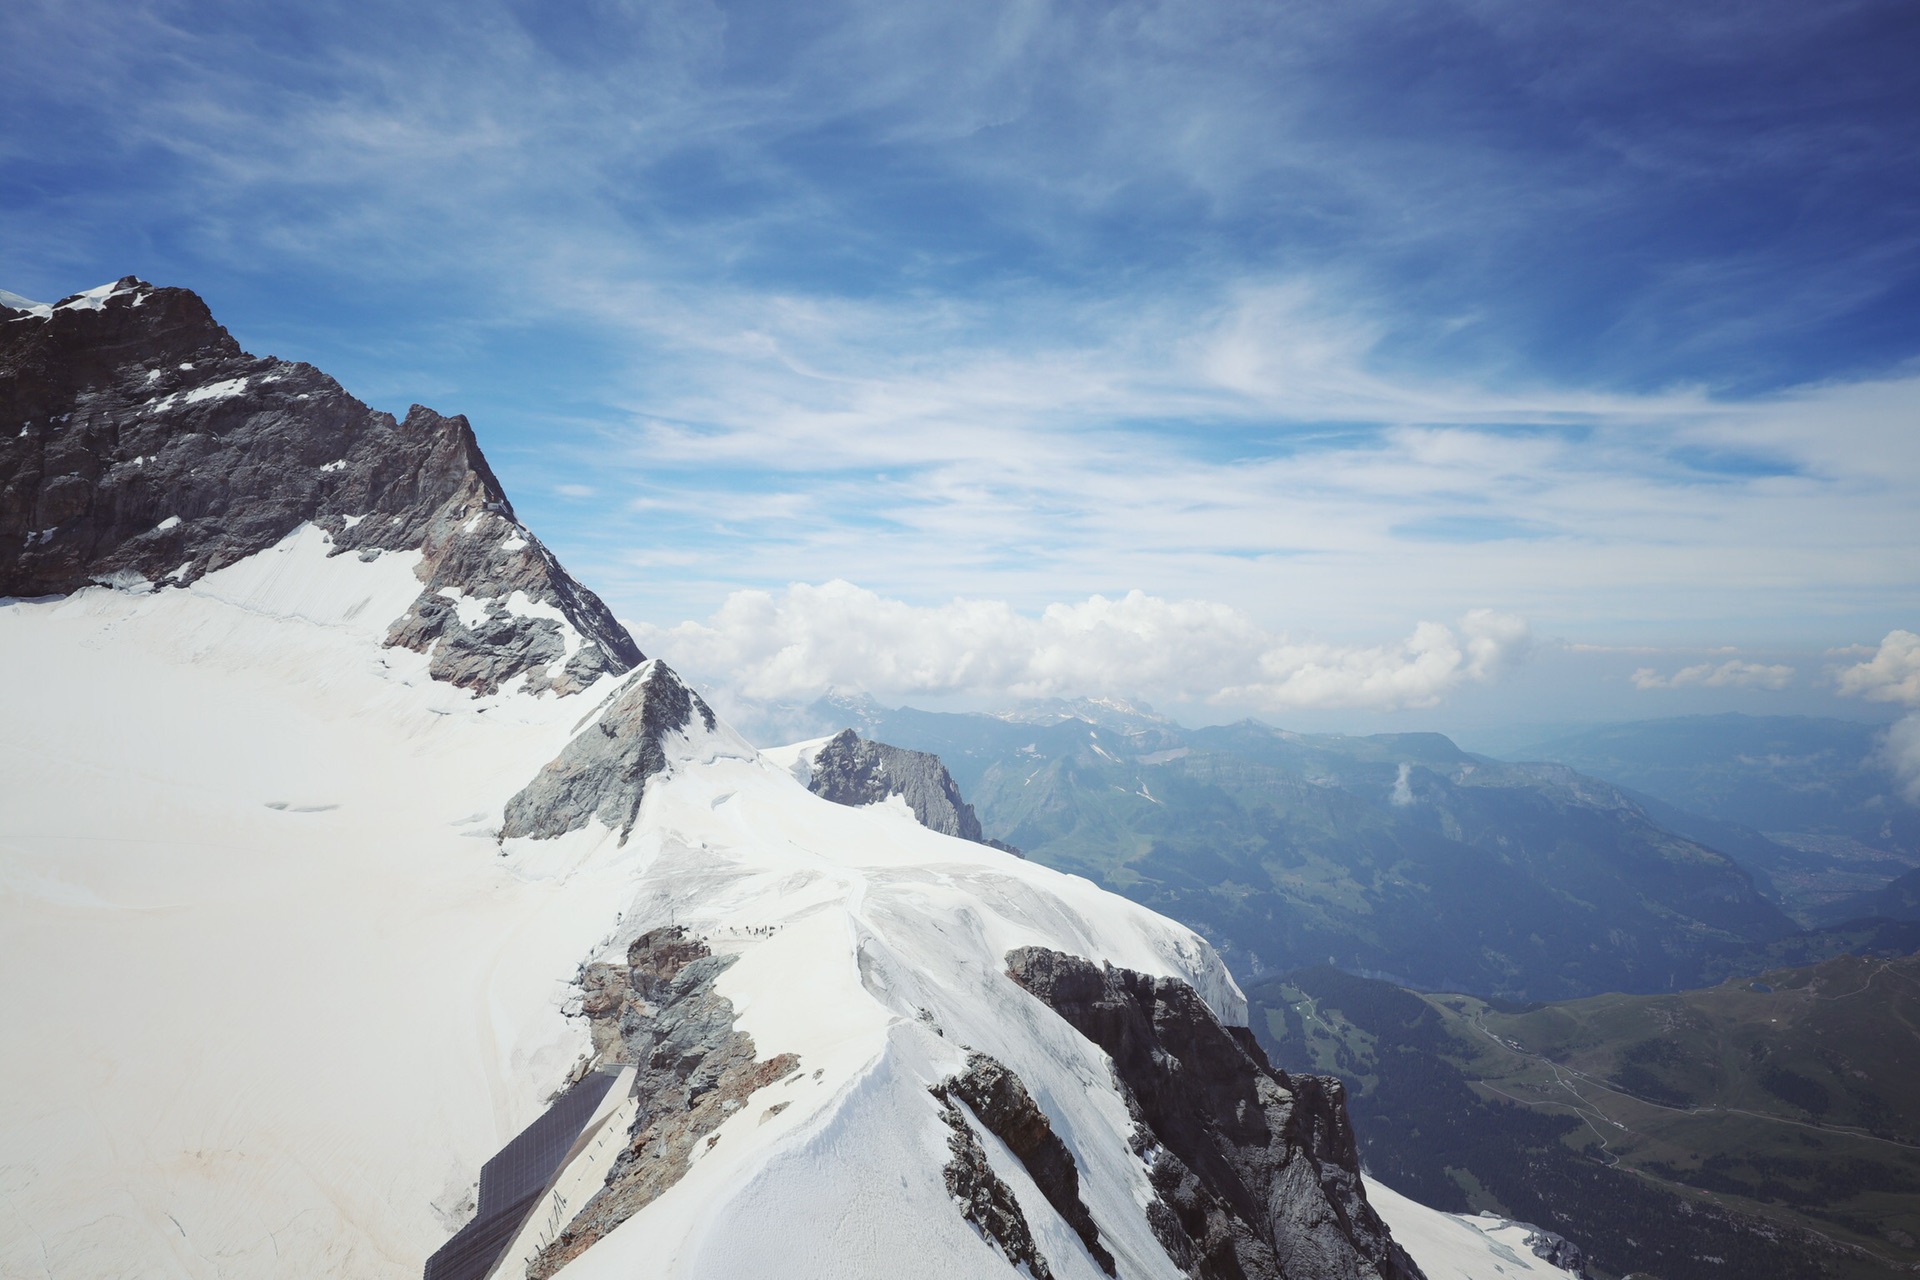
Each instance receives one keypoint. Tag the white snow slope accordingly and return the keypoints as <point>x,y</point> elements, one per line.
<point>275,989</point>
<point>1456,1246</point>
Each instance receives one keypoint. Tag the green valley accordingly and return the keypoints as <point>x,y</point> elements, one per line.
<point>1764,1126</point>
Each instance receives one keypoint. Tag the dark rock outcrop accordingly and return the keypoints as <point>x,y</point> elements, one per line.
<point>1257,1173</point>
<point>1556,1250</point>
<point>984,1198</point>
<point>140,444</point>
<point>660,1013</point>
<point>603,771</point>
<point>851,770</point>
<point>1001,1101</point>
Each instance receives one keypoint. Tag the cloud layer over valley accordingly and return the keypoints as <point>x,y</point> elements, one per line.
<point>810,640</point>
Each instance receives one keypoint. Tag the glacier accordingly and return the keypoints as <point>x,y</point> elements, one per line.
<point>281,980</point>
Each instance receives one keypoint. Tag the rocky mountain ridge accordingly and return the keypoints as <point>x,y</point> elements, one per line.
<point>1256,1171</point>
<point>140,446</point>
<point>1395,854</point>
<point>758,967</point>
<point>851,770</point>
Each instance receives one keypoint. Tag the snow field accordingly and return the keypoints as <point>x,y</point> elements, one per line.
<point>268,997</point>
<point>1453,1246</point>
<point>874,949</point>
<point>602,1139</point>
<point>276,991</point>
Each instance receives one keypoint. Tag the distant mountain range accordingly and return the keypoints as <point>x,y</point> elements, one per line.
<point>1802,801</point>
<point>1405,857</point>
<point>1764,1126</point>
<point>1899,900</point>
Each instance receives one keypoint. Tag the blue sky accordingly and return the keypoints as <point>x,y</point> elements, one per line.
<point>1311,324</point>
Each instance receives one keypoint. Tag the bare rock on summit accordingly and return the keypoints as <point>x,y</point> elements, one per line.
<point>602,773</point>
<point>983,1196</point>
<point>1256,1171</point>
<point>851,770</point>
<point>694,1069</point>
<point>140,446</point>
<point>1000,1100</point>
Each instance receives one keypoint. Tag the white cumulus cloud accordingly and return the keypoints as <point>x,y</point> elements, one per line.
<point>1731,674</point>
<point>813,638</point>
<point>1892,674</point>
<point>1901,754</point>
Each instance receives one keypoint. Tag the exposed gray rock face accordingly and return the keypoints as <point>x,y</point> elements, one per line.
<point>1256,1171</point>
<point>850,770</point>
<point>526,613</point>
<point>659,1012</point>
<point>1556,1250</point>
<point>603,771</point>
<point>1001,1101</point>
<point>138,442</point>
<point>984,1198</point>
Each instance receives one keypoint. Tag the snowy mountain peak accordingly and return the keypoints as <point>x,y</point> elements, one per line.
<point>577,985</point>
<point>10,301</point>
<point>851,770</point>
<point>94,299</point>
<point>1107,713</point>
<point>141,447</point>
<point>603,772</point>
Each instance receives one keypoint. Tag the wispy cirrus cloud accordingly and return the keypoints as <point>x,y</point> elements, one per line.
<point>1336,319</point>
<point>1515,203</point>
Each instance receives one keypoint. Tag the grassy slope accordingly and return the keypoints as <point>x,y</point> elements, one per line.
<point>1689,1125</point>
<point>1288,850</point>
<point>1819,789</point>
